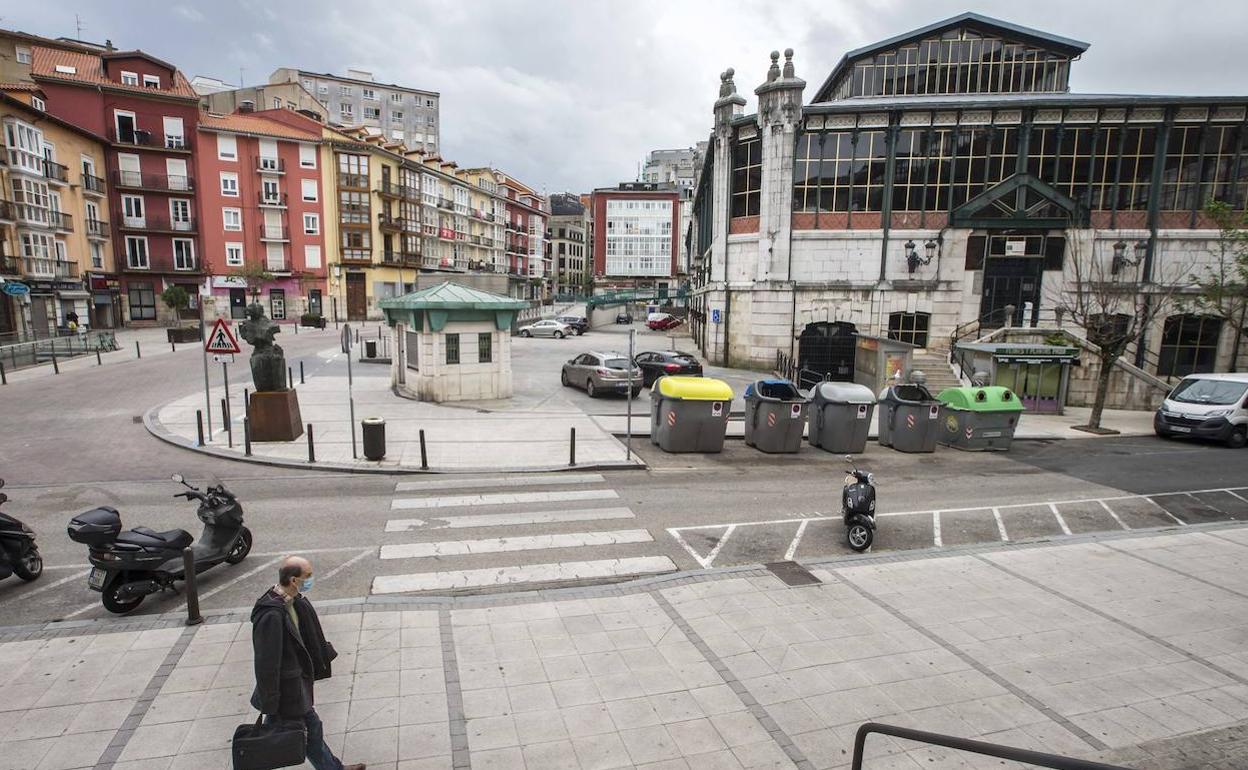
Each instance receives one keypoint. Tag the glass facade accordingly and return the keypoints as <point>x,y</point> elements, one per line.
<point>747,177</point>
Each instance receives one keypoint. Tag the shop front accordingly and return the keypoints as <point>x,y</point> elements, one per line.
<point>104,310</point>
<point>1038,374</point>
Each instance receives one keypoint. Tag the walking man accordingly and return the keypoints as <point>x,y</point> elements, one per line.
<point>290,654</point>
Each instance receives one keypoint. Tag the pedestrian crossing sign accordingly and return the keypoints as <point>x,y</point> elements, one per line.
<point>221,339</point>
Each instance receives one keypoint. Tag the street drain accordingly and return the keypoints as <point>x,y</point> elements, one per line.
<point>792,573</point>
<point>137,419</point>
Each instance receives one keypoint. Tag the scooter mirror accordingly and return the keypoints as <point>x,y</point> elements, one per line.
<point>3,498</point>
<point>1,483</point>
<point>178,478</point>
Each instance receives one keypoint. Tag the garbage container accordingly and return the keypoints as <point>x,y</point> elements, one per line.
<point>909,418</point>
<point>980,418</point>
<point>775,416</point>
<point>689,414</point>
<point>374,429</point>
<point>370,348</point>
<point>840,418</point>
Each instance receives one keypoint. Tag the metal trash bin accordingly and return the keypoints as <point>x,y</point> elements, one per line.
<point>775,416</point>
<point>840,419</point>
<point>689,414</point>
<point>374,430</point>
<point>909,418</point>
<point>980,418</point>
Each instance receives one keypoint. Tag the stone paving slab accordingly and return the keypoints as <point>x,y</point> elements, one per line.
<point>1126,649</point>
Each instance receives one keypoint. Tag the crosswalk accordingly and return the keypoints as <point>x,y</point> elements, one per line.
<point>511,532</point>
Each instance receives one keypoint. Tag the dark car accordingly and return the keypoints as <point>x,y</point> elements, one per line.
<point>662,322</point>
<point>578,323</point>
<point>623,317</point>
<point>654,365</point>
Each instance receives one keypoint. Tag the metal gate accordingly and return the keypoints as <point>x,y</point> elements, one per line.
<point>827,347</point>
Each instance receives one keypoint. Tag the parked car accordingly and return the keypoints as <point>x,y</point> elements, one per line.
<point>548,328</point>
<point>662,321</point>
<point>657,364</point>
<point>624,317</point>
<point>1206,406</point>
<point>579,324</point>
<point>601,372</point>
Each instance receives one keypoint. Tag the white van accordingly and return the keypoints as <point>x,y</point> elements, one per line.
<point>1208,406</point>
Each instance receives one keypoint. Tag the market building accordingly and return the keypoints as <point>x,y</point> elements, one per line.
<point>636,237</point>
<point>944,179</point>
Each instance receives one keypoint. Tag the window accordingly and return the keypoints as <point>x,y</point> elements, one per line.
<point>229,184</point>
<point>485,347</point>
<point>227,147</point>
<point>38,103</point>
<point>452,348</point>
<point>396,116</point>
<point>277,102</point>
<point>180,214</point>
<point>909,327</point>
<point>396,98</point>
<point>322,89</point>
<point>307,84</point>
<point>142,301</point>
<point>347,111</point>
<point>307,156</point>
<point>431,120</point>
<point>129,78</point>
<point>311,224</point>
<point>23,55</point>
<point>369,93</point>
<point>429,103</point>
<point>183,254</point>
<point>344,90</point>
<point>97,255</point>
<point>136,252</point>
<point>151,81</point>
<point>1189,344</point>
<point>311,256</point>
<point>309,189</point>
<point>396,134</point>
<point>233,219</point>
<point>747,177</point>
<point>372,113</point>
<point>132,214</point>
<point>269,192</point>
<point>234,254</point>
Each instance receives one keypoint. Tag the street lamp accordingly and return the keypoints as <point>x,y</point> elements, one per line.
<point>913,260</point>
<point>1121,259</point>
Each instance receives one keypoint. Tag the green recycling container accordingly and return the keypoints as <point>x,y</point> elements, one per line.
<point>980,418</point>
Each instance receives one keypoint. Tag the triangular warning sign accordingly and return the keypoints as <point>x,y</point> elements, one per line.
<point>221,339</point>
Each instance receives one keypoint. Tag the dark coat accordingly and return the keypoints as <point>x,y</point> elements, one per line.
<point>287,660</point>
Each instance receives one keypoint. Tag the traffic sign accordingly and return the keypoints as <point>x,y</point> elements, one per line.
<point>223,358</point>
<point>221,339</point>
<point>715,317</point>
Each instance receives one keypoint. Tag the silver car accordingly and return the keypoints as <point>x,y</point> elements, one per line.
<point>547,328</point>
<point>600,373</point>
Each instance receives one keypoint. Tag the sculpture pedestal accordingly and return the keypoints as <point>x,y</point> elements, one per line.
<point>274,416</point>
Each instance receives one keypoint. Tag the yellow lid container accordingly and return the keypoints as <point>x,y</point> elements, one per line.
<point>693,388</point>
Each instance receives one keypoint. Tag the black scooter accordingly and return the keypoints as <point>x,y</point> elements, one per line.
<point>127,566</point>
<point>18,553</point>
<point>858,507</point>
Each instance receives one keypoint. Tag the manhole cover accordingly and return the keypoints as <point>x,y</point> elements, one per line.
<point>792,573</point>
<point>137,419</point>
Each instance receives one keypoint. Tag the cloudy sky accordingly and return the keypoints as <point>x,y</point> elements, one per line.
<point>571,94</point>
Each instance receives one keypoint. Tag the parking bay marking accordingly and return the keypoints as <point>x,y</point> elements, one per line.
<point>502,498</point>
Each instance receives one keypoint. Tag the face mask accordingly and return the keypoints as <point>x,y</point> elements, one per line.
<point>306,585</point>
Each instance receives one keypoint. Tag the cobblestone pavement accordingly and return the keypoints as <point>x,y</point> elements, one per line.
<point>1127,648</point>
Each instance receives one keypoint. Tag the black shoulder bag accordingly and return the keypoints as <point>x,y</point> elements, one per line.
<point>259,746</point>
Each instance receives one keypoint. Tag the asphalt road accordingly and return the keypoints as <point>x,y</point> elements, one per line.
<point>72,442</point>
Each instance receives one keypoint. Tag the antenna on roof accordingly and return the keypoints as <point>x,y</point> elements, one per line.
<point>241,70</point>
<point>78,26</point>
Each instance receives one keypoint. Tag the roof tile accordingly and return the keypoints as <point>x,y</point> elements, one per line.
<point>89,69</point>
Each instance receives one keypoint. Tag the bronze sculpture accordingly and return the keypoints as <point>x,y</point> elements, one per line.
<point>268,362</point>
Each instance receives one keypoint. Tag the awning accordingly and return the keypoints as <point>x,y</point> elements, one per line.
<point>73,294</point>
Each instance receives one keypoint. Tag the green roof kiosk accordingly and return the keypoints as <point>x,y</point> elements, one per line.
<point>451,343</point>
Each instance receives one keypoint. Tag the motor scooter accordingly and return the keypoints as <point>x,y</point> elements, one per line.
<point>127,566</point>
<point>18,553</point>
<point>858,507</point>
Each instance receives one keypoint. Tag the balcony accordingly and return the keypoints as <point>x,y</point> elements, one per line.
<point>184,265</point>
<point>147,140</point>
<point>155,223</point>
<point>61,221</point>
<point>137,180</point>
<point>92,185</point>
<point>270,165</point>
<point>393,190</point>
<point>56,173</point>
<point>353,181</point>
<point>270,200</point>
<point>275,233</point>
<point>388,222</point>
<point>412,258</point>
<point>357,257</point>
<point>392,258</point>
<point>9,264</point>
<point>7,213</point>
<point>49,269</point>
<point>96,229</point>
<point>278,266</point>
<point>446,203</point>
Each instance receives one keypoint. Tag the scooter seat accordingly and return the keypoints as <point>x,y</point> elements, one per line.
<point>174,539</point>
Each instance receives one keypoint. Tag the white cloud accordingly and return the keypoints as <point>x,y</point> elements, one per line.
<point>189,13</point>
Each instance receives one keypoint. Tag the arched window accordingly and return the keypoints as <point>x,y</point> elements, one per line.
<point>1189,344</point>
<point>909,327</point>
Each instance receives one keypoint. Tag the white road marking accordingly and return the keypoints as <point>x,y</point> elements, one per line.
<point>996,514</point>
<point>792,549</point>
<point>508,519</point>
<point>532,480</point>
<point>49,586</point>
<point>1163,510</point>
<point>1234,494</point>
<point>502,498</point>
<point>531,573</point>
<point>1060,521</point>
<point>1110,511</point>
<point>936,529</point>
<point>361,555</point>
<point>710,557</point>
<point>524,543</point>
<point>218,589</point>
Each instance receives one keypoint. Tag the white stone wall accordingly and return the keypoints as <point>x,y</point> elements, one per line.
<point>470,380</point>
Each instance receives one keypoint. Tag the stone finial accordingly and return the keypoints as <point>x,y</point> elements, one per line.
<point>773,71</point>
<point>788,64</point>
<point>728,82</point>
<point>723,84</point>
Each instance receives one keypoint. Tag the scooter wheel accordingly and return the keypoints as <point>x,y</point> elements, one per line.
<point>117,604</point>
<point>30,566</point>
<point>860,536</point>
<point>241,548</point>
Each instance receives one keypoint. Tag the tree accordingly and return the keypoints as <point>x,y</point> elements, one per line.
<point>1223,286</point>
<point>1115,308</point>
<point>176,299</point>
<point>255,275</point>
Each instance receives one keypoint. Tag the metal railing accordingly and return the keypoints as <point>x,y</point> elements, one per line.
<point>6,210</point>
<point>156,222</point>
<point>270,199</point>
<point>92,183</point>
<point>57,172</point>
<point>18,351</point>
<point>274,232</point>
<point>270,165</point>
<point>983,748</point>
<point>170,182</point>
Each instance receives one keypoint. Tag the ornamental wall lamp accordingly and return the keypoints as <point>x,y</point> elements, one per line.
<point>930,250</point>
<point>1121,259</point>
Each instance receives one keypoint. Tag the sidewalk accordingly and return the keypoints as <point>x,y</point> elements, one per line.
<point>1123,648</point>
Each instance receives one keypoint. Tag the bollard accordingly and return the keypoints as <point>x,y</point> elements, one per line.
<point>246,437</point>
<point>173,348</point>
<point>290,378</point>
<point>311,445</point>
<point>225,418</point>
<point>572,449</point>
<point>301,382</point>
<point>199,425</point>
<point>56,368</point>
<point>424,456</point>
<point>138,353</point>
<point>193,618</point>
<point>98,362</point>
<point>296,328</point>
<point>4,380</point>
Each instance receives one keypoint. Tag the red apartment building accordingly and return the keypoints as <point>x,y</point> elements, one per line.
<point>261,202</point>
<point>635,234</point>
<point>525,232</point>
<point>148,115</point>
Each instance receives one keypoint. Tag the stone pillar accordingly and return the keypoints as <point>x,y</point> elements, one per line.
<point>729,105</point>
<point>779,120</point>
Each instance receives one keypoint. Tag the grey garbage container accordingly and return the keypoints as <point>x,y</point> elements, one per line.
<point>775,416</point>
<point>840,418</point>
<point>374,430</point>
<point>689,414</point>
<point>909,418</point>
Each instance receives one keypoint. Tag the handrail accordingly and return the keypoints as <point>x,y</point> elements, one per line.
<point>999,751</point>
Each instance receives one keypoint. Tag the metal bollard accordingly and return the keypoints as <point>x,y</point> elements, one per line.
<point>311,445</point>
<point>98,362</point>
<point>290,378</point>
<point>225,418</point>
<point>301,381</point>
<point>424,455</point>
<point>173,348</point>
<point>246,437</point>
<point>193,618</point>
<point>4,380</point>
<point>138,353</point>
<point>199,425</point>
<point>56,368</point>
<point>296,328</point>
<point>572,449</point>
